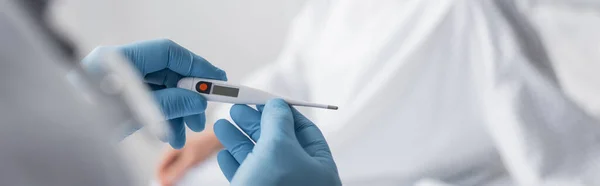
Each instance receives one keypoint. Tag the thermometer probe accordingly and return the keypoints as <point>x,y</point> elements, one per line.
<point>221,91</point>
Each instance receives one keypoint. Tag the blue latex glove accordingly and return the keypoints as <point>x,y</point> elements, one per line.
<point>290,149</point>
<point>163,63</point>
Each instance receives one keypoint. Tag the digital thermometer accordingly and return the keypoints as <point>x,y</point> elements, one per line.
<point>220,91</point>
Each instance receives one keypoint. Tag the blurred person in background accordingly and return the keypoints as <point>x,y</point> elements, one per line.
<point>453,92</point>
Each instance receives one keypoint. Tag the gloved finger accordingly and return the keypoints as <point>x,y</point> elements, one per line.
<point>154,55</point>
<point>247,119</point>
<point>277,121</point>
<point>163,77</point>
<point>234,141</point>
<point>195,122</point>
<point>177,137</point>
<point>228,164</point>
<point>156,87</point>
<point>176,102</point>
<point>260,108</point>
<point>310,136</point>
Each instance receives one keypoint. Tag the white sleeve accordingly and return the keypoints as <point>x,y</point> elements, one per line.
<point>543,136</point>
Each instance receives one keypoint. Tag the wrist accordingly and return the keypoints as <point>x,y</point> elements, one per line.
<point>211,140</point>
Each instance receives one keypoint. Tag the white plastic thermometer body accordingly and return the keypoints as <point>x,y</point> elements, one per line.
<point>221,91</point>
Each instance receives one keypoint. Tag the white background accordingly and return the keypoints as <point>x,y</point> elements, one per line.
<point>236,35</point>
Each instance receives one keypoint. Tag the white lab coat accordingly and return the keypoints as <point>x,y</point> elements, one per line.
<point>436,92</point>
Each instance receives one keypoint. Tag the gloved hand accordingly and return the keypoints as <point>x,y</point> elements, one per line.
<point>290,149</point>
<point>163,63</point>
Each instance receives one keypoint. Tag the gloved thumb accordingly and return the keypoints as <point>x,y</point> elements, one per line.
<point>277,121</point>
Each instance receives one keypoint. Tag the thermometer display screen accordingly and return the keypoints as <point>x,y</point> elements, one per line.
<point>225,91</point>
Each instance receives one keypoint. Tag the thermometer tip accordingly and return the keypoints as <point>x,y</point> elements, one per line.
<point>332,107</point>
